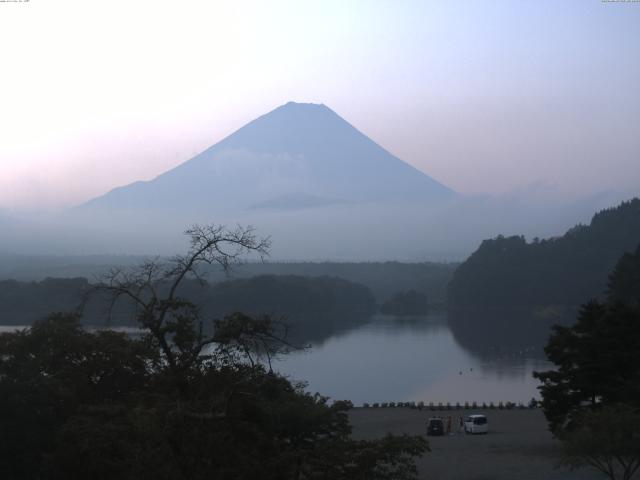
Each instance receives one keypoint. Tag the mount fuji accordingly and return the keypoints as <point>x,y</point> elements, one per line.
<point>298,156</point>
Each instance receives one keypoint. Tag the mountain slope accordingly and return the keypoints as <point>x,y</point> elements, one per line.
<point>297,150</point>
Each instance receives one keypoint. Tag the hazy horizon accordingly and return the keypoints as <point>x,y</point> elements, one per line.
<point>492,98</point>
<point>314,183</point>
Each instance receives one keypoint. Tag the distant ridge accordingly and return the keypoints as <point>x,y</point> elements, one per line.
<point>299,151</point>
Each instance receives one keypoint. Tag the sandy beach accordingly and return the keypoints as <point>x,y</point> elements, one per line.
<point>518,445</point>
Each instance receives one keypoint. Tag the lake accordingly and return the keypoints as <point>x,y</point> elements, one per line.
<point>393,360</point>
<point>419,359</point>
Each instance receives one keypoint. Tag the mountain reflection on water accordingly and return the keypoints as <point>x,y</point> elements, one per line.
<point>426,358</point>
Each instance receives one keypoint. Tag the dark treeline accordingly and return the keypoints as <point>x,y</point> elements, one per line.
<point>21,303</point>
<point>384,279</point>
<point>289,294</point>
<point>505,298</point>
<point>406,303</point>
<point>508,272</point>
<point>624,282</point>
<point>505,332</point>
<point>314,307</point>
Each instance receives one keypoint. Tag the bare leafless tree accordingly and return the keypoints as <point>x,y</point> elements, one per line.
<point>152,287</point>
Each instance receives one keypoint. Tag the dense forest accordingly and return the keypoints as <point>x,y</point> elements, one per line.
<point>624,282</point>
<point>406,303</point>
<point>290,295</point>
<point>21,303</point>
<point>508,272</point>
<point>314,307</point>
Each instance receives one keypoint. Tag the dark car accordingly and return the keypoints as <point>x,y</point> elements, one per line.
<point>435,426</point>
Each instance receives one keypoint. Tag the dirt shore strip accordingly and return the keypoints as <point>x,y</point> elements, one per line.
<point>518,445</point>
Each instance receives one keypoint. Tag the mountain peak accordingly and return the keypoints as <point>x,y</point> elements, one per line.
<point>292,104</point>
<point>301,149</point>
<point>299,109</point>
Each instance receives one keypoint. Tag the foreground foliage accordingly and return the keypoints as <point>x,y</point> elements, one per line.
<point>75,404</point>
<point>607,439</point>
<point>598,362</point>
<point>174,402</point>
<point>592,399</point>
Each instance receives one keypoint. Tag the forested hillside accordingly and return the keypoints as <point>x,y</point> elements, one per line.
<point>290,294</point>
<point>624,282</point>
<point>513,273</point>
<point>314,307</point>
<point>384,279</point>
<point>21,303</point>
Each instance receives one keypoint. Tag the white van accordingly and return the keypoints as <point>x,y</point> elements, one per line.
<point>476,424</point>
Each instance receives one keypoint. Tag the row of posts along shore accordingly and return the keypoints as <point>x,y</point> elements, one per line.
<point>455,406</point>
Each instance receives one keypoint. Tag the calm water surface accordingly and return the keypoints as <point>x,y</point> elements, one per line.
<point>390,360</point>
<point>393,360</point>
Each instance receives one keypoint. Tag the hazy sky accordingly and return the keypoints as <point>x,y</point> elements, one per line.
<point>485,96</point>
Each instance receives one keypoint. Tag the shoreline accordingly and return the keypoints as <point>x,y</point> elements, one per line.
<point>518,444</point>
